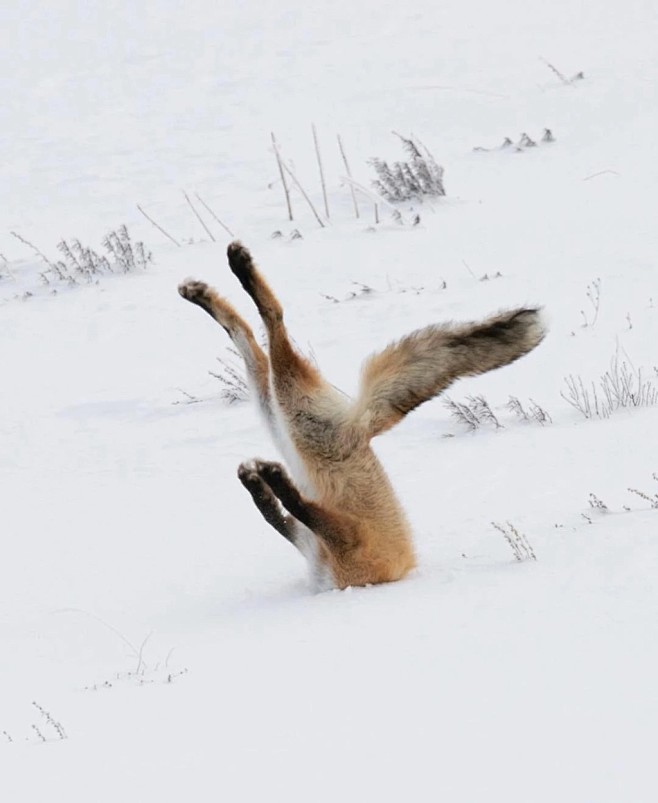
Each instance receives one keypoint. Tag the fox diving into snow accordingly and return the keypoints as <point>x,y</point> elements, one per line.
<point>339,508</point>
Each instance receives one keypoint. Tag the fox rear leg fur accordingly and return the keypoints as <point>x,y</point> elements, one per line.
<point>266,502</point>
<point>335,528</point>
<point>255,359</point>
<point>270,487</point>
<point>292,375</point>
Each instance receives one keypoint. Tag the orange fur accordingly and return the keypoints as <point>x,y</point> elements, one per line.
<point>341,511</point>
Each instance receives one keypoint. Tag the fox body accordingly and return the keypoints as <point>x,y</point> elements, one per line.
<point>339,508</point>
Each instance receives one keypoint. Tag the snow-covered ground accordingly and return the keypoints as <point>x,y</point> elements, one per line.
<point>144,604</point>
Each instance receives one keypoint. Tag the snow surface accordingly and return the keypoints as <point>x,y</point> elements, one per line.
<point>143,601</point>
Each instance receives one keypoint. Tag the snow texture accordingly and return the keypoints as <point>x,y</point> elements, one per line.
<point>166,632</point>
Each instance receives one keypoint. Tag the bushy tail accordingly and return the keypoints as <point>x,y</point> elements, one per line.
<point>424,363</point>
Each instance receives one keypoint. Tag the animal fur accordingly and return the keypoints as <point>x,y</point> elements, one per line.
<point>340,510</point>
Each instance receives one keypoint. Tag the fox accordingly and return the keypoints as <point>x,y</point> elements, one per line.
<point>337,505</point>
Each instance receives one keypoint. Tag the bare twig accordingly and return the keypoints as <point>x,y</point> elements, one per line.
<point>555,70</point>
<point>38,733</point>
<point>620,386</point>
<point>652,501</point>
<point>517,541</point>
<point>136,652</point>
<point>601,173</point>
<point>462,413</point>
<point>235,387</point>
<point>282,174</point>
<point>536,412</point>
<point>539,414</point>
<point>33,247</point>
<point>468,268</point>
<point>375,198</point>
<point>190,398</point>
<point>158,227</point>
<point>9,271</point>
<point>140,660</point>
<point>516,407</point>
<point>594,297</point>
<point>598,504</point>
<point>198,217</point>
<point>210,212</point>
<point>349,173</point>
<point>322,181</point>
<point>54,724</point>
<point>303,192</point>
<point>482,411</point>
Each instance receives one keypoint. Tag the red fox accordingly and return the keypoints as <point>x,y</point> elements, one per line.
<point>341,511</point>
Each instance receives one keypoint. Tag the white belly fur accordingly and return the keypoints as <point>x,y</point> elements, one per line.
<point>306,539</point>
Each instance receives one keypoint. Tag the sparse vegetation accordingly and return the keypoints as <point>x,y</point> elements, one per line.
<point>473,413</point>
<point>579,76</point>
<point>361,290</point>
<point>418,178</point>
<point>517,540</point>
<point>233,381</point>
<point>524,142</point>
<point>600,506</point>
<point>50,730</point>
<point>286,170</point>
<point>620,386</point>
<point>82,264</point>
<point>534,412</point>
<point>597,504</point>
<point>594,297</point>
<point>476,412</point>
<point>651,498</point>
<point>52,722</point>
<point>5,270</point>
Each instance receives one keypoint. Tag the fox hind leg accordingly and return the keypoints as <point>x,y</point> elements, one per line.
<point>336,529</point>
<point>255,359</point>
<point>266,502</point>
<point>290,371</point>
<point>243,268</point>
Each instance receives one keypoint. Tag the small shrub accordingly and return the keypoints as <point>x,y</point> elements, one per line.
<point>652,499</point>
<point>476,412</point>
<point>594,298</point>
<point>80,262</point>
<point>597,504</point>
<point>234,384</point>
<point>419,177</point>
<point>463,413</point>
<point>620,386</point>
<point>534,412</point>
<point>518,542</point>
<point>52,722</point>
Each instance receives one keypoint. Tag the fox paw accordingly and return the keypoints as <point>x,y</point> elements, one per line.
<point>275,475</point>
<point>196,292</point>
<point>240,262</point>
<point>267,468</point>
<point>254,483</point>
<point>247,472</point>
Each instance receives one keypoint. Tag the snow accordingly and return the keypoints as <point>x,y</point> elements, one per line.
<point>144,603</point>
